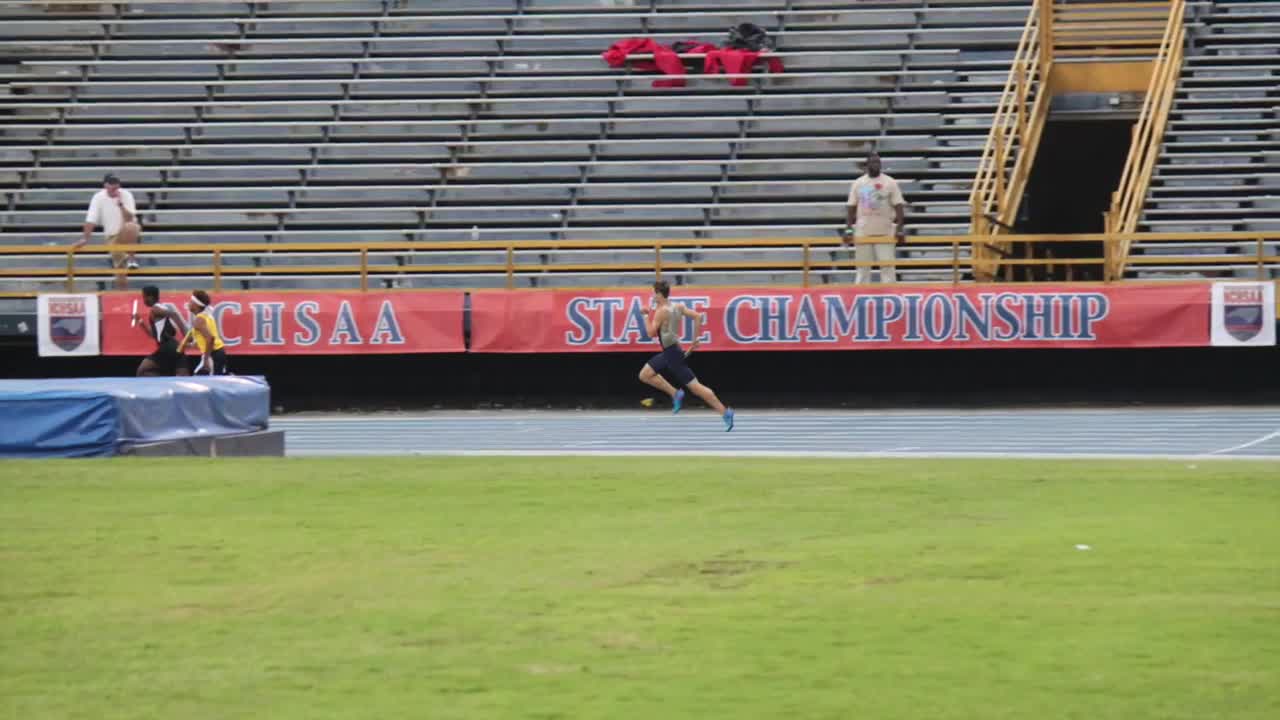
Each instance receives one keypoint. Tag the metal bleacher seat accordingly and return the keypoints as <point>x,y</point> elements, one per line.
<point>410,121</point>
<point>1217,167</point>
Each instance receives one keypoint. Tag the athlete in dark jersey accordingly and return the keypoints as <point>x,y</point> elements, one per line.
<point>664,322</point>
<point>164,327</point>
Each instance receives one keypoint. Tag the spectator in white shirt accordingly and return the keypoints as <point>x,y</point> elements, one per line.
<point>876,221</point>
<point>113,208</point>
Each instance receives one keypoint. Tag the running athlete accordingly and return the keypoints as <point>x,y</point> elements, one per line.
<point>664,321</point>
<point>164,326</point>
<point>204,333</point>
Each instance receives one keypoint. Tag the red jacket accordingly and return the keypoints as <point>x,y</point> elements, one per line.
<point>733,62</point>
<point>666,61</point>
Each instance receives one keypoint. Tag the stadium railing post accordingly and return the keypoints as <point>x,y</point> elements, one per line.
<point>1106,254</point>
<point>364,269</point>
<point>1046,32</point>
<point>955,261</point>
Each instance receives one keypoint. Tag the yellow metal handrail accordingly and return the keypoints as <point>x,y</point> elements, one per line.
<point>501,258</point>
<point>1148,135</point>
<point>1010,149</point>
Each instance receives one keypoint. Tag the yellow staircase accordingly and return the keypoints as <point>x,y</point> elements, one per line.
<point>1070,32</point>
<point>1148,133</point>
<point>1006,159</point>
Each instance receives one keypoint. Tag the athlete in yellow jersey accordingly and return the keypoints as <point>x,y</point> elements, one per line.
<point>204,333</point>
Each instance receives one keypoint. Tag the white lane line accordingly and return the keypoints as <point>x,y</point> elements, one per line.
<point>765,440</point>
<point>507,415</point>
<point>1192,446</point>
<point>833,423</point>
<point>800,454</point>
<point>776,421</point>
<point>1173,412</point>
<point>761,440</point>
<point>1077,430</point>
<point>1251,443</point>
<point>824,428</point>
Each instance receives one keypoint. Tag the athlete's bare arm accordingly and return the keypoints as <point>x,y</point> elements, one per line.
<point>699,319</point>
<point>146,327</point>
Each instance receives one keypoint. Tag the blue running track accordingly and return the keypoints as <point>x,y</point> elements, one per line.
<point>1120,433</point>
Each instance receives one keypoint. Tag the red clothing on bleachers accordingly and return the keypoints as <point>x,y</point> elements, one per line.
<point>733,62</point>
<point>666,61</point>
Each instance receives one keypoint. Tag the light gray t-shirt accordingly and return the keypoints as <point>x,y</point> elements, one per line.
<point>669,332</point>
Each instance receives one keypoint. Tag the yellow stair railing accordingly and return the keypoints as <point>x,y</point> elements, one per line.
<point>1058,31</point>
<point>1148,135</point>
<point>1011,145</point>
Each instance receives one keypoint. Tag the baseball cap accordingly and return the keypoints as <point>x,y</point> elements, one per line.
<point>110,179</point>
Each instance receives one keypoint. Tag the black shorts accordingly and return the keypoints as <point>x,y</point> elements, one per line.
<point>219,358</point>
<point>166,357</point>
<point>671,359</point>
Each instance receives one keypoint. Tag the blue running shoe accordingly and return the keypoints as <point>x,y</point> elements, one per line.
<point>677,402</point>
<point>728,420</point>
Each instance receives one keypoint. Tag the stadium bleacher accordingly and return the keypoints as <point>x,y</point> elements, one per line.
<point>403,121</point>
<point>1219,167</point>
<point>409,121</point>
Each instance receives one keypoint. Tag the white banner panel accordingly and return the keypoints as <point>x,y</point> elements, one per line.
<point>68,325</point>
<point>1244,314</point>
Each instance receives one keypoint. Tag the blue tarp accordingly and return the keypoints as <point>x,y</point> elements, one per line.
<point>86,417</point>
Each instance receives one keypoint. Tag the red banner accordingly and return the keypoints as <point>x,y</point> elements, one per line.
<point>303,323</point>
<point>980,316</point>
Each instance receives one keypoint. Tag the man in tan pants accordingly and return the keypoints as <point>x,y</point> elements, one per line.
<point>113,208</point>
<point>876,221</point>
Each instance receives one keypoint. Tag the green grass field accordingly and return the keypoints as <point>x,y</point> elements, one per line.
<point>575,588</point>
